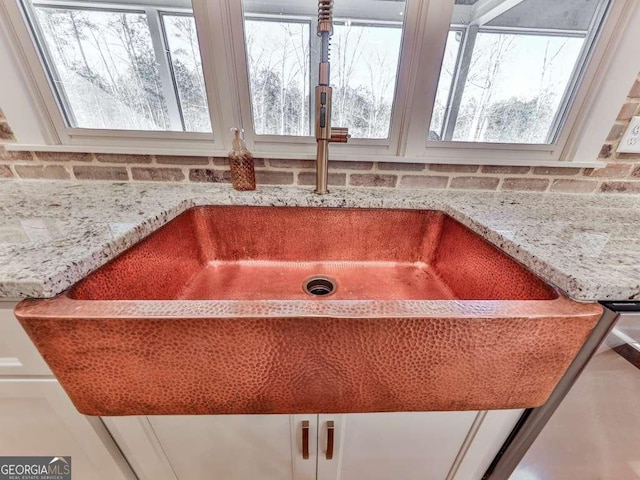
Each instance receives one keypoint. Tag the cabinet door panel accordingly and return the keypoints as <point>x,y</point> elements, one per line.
<point>238,447</point>
<point>399,446</point>
<point>37,418</point>
<point>18,356</point>
<point>138,442</point>
<point>493,431</point>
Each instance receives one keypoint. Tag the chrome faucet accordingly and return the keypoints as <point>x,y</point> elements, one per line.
<point>324,132</point>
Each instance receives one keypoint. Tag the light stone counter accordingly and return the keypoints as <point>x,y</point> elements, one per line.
<point>53,234</point>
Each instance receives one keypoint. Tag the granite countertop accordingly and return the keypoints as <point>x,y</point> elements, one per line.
<point>54,234</point>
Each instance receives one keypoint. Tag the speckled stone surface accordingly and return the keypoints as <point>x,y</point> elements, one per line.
<point>54,234</point>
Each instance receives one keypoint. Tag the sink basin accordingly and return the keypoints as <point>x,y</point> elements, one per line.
<point>236,310</point>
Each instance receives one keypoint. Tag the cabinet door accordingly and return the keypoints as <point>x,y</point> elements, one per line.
<point>238,447</point>
<point>18,356</point>
<point>493,428</point>
<point>37,418</point>
<point>399,446</point>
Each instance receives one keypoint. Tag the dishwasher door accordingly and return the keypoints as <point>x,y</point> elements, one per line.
<point>590,427</point>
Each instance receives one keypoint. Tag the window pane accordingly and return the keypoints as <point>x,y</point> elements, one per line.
<point>278,64</point>
<point>123,68</point>
<point>186,65</point>
<point>517,71</point>
<point>444,84</point>
<point>515,85</point>
<point>364,65</point>
<point>107,70</point>
<point>283,54</point>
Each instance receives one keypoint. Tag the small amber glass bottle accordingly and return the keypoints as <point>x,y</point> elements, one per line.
<point>243,175</point>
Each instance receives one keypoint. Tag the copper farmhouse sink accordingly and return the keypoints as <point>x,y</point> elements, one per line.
<point>288,310</point>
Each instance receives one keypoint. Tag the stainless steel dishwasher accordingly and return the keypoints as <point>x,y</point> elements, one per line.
<point>590,426</point>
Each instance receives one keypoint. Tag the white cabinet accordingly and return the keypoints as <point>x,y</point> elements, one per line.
<point>488,434</point>
<point>37,418</point>
<point>18,356</point>
<point>239,447</point>
<point>383,446</point>
<point>403,446</point>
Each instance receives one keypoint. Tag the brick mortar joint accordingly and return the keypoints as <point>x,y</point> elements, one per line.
<point>499,187</point>
<point>69,166</point>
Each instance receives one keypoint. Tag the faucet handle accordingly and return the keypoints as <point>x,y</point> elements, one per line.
<point>339,135</point>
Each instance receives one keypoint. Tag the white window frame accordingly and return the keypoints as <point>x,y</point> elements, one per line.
<point>592,112</point>
<point>46,111</point>
<point>33,112</point>
<point>469,34</point>
<point>285,146</point>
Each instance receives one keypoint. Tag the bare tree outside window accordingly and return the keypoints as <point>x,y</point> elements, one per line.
<point>508,75</point>
<point>278,64</point>
<point>364,60</point>
<point>364,64</point>
<point>515,85</point>
<point>107,68</point>
<point>447,74</point>
<point>509,71</point>
<point>186,64</point>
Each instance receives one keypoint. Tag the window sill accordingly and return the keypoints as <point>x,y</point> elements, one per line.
<point>335,155</point>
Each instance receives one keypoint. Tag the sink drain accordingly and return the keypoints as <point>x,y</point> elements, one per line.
<point>319,286</point>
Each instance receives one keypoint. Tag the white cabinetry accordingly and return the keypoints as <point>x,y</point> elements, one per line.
<point>18,356</point>
<point>485,440</point>
<point>239,447</point>
<point>383,446</point>
<point>402,446</point>
<point>37,417</point>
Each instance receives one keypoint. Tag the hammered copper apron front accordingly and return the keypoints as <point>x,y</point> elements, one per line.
<point>208,315</point>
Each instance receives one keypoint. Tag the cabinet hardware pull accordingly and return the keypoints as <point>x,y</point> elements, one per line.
<point>330,430</point>
<point>305,439</point>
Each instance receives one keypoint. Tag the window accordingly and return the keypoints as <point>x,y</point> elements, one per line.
<point>283,53</point>
<point>517,71</point>
<point>278,62</point>
<point>447,74</point>
<point>364,76</point>
<point>110,68</point>
<point>186,66</point>
<point>103,66</point>
<point>435,81</point>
